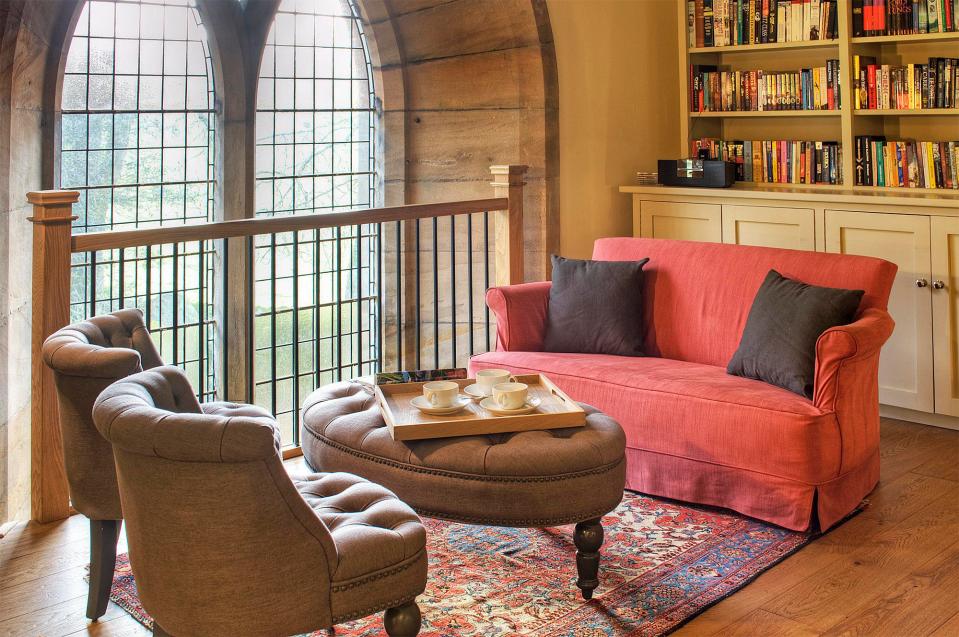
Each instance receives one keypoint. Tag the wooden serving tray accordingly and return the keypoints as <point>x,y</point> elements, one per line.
<point>406,422</point>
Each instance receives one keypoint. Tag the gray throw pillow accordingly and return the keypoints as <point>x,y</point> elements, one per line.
<point>596,307</point>
<point>786,319</point>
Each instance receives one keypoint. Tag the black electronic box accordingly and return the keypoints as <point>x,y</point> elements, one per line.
<point>702,173</point>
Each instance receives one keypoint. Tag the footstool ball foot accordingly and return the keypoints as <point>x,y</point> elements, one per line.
<point>403,621</point>
<point>588,538</point>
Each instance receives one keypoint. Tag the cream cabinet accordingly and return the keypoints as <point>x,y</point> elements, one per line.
<point>944,286</point>
<point>769,226</point>
<point>919,232</point>
<point>905,369</point>
<point>671,220</point>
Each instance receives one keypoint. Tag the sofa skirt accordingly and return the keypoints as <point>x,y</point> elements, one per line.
<point>775,499</point>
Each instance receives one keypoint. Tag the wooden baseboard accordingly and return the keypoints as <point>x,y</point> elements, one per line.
<point>921,417</point>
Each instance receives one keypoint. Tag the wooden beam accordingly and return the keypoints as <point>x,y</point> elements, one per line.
<point>508,182</point>
<point>52,219</point>
<point>249,227</point>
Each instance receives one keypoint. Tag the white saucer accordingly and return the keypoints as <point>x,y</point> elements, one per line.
<point>421,403</point>
<point>476,391</point>
<point>490,405</point>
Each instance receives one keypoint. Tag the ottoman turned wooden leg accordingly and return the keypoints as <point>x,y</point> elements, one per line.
<point>588,538</point>
<point>403,621</point>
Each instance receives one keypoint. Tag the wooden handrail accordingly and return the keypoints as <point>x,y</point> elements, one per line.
<point>113,240</point>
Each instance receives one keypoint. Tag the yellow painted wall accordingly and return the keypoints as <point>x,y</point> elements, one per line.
<point>618,108</point>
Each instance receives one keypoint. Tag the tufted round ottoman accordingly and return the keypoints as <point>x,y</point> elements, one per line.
<point>526,479</point>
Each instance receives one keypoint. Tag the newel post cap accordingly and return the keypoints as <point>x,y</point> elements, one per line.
<point>53,206</point>
<point>509,174</point>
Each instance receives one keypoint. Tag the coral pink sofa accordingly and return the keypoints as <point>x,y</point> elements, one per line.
<point>696,433</point>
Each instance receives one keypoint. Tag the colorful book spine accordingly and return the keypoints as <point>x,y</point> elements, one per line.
<point>777,161</point>
<point>907,163</point>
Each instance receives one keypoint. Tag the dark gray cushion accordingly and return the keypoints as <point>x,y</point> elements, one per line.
<point>596,307</point>
<point>778,345</point>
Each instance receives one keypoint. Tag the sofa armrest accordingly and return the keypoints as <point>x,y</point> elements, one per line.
<point>520,312</point>
<point>847,362</point>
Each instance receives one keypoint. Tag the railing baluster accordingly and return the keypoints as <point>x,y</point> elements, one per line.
<point>453,289</point>
<point>399,295</point>
<point>486,276</point>
<point>317,311</point>
<point>436,294</point>
<point>419,301</point>
<point>176,304</point>
<point>251,319</point>
<point>357,314</point>
<point>377,362</point>
<point>120,275</point>
<point>337,270</point>
<point>469,276</point>
<point>295,338</point>
<point>273,391</point>
<point>224,386</point>
<point>201,319</point>
<point>92,292</point>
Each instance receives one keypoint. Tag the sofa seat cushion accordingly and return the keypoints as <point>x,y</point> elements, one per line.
<point>694,411</point>
<point>371,528</point>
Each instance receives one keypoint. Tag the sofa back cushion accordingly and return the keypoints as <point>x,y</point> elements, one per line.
<point>698,295</point>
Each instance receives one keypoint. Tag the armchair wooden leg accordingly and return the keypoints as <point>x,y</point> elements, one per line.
<point>403,621</point>
<point>588,538</point>
<point>103,557</point>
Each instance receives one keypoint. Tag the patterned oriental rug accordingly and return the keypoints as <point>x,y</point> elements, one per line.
<point>663,563</point>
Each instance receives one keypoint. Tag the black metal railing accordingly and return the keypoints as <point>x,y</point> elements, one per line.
<point>385,290</point>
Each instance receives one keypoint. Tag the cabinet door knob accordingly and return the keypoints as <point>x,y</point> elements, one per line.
<point>921,283</point>
<point>938,284</point>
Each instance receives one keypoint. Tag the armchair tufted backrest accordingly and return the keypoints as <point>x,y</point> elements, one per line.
<point>85,358</point>
<point>220,540</point>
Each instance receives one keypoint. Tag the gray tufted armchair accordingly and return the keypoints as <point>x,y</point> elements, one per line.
<point>86,358</point>
<point>222,540</point>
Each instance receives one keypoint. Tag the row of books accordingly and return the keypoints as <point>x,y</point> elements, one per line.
<point>776,161</point>
<point>807,89</point>
<point>913,86</point>
<point>736,22</point>
<point>907,164</point>
<point>903,17</point>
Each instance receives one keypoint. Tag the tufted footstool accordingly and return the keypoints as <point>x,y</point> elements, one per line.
<point>527,479</point>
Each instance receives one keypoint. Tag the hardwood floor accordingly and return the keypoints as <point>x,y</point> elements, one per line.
<point>891,570</point>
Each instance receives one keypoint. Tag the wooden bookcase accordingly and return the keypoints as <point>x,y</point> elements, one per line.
<point>842,125</point>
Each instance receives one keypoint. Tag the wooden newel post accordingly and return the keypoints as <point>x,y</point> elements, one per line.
<point>508,224</point>
<point>52,222</point>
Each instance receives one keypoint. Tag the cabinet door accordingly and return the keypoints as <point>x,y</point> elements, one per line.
<point>677,220</point>
<point>945,312</point>
<point>905,369</point>
<point>770,227</point>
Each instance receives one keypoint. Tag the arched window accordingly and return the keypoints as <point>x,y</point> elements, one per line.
<point>137,140</point>
<point>316,310</point>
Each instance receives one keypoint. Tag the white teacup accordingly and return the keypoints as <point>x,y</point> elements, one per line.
<point>489,378</point>
<point>441,393</point>
<point>510,395</point>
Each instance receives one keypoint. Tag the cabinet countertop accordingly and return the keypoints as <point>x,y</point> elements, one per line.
<point>946,201</point>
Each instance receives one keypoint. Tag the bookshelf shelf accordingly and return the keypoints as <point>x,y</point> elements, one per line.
<point>916,38</point>
<point>892,112</point>
<point>843,125</point>
<point>773,46</point>
<point>745,114</point>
